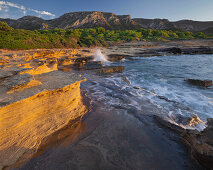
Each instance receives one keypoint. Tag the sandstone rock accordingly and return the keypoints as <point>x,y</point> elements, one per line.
<point>35,113</point>
<point>36,100</point>
<point>203,83</point>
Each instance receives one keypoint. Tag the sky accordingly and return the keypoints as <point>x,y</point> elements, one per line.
<point>200,10</point>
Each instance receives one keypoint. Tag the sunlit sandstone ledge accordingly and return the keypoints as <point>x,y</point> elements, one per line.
<point>36,100</point>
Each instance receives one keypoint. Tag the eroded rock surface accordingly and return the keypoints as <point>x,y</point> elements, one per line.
<point>36,100</point>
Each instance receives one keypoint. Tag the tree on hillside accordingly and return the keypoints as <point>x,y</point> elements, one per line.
<point>5,27</point>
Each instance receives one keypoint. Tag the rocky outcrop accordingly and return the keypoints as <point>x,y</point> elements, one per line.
<point>182,25</point>
<point>159,24</point>
<point>110,69</point>
<point>194,26</point>
<point>36,100</point>
<point>201,144</point>
<point>118,57</point>
<point>202,83</point>
<point>27,22</point>
<point>198,50</point>
<point>91,19</point>
<point>174,50</point>
<point>85,19</point>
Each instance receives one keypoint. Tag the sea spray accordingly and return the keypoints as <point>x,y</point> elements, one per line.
<point>99,56</point>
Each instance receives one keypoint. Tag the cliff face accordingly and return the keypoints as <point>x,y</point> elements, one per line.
<point>93,19</point>
<point>36,100</point>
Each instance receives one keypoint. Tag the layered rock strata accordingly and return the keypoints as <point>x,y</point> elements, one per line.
<point>36,100</point>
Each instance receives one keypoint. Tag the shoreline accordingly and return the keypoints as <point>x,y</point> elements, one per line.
<point>60,136</point>
<point>108,134</point>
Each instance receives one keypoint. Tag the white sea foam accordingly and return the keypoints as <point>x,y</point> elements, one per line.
<point>99,56</point>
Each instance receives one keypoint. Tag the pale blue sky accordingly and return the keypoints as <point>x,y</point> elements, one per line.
<point>172,9</point>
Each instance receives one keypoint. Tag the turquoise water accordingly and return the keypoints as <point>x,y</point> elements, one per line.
<point>156,86</point>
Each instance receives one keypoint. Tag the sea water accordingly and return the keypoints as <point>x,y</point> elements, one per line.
<point>156,85</point>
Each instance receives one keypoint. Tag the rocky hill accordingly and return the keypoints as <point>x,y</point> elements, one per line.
<point>184,25</point>
<point>75,20</point>
<point>90,19</point>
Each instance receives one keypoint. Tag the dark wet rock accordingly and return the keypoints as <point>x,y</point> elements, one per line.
<point>173,50</point>
<point>117,141</point>
<point>87,65</point>
<point>87,51</point>
<point>117,57</point>
<point>111,69</point>
<point>82,59</point>
<point>169,125</point>
<point>79,65</point>
<point>149,53</point>
<point>203,83</point>
<point>199,50</point>
<point>201,144</point>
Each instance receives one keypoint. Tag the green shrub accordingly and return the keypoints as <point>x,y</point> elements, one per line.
<point>72,38</point>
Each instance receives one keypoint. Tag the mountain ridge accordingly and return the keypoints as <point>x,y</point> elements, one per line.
<point>108,20</point>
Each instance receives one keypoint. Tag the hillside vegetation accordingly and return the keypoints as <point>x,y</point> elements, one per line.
<point>73,38</point>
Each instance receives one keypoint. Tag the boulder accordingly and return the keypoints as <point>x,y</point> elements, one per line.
<point>197,82</point>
